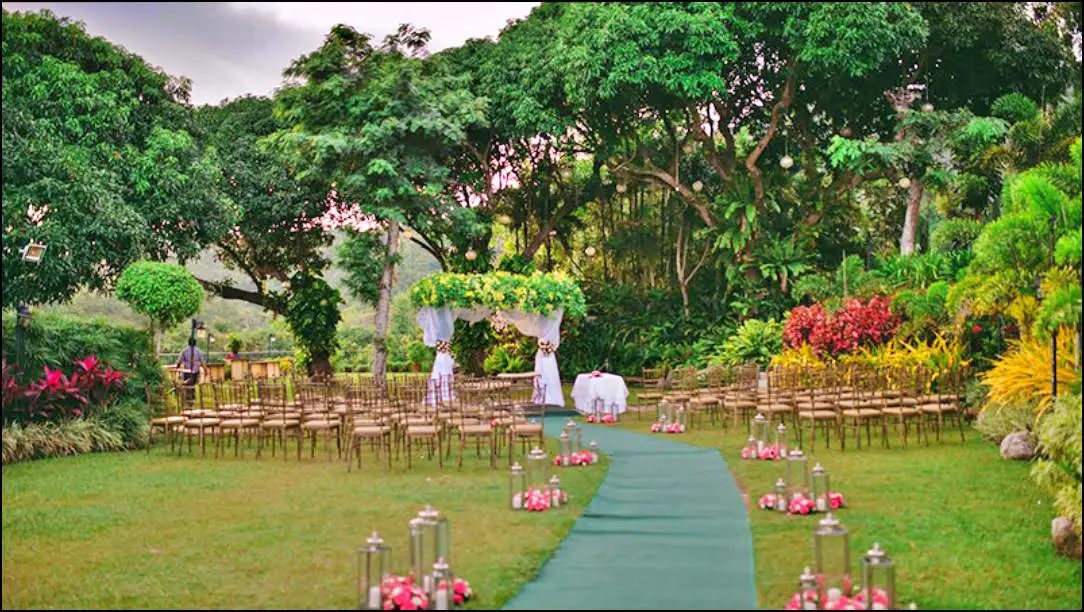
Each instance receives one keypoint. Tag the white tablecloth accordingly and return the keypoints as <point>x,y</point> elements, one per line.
<point>610,387</point>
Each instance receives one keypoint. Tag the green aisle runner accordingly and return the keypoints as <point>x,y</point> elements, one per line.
<point>666,530</point>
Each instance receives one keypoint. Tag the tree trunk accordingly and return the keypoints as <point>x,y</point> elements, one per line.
<point>320,366</point>
<point>383,307</point>
<point>910,222</point>
<point>156,333</point>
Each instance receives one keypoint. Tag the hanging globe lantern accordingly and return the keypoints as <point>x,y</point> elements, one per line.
<point>698,186</point>
<point>407,234</point>
<point>787,162</point>
<point>622,188</point>
<point>453,249</point>
<point>471,255</point>
<point>590,251</point>
<point>904,183</point>
<point>846,132</point>
<point>566,174</point>
<point>927,108</point>
<point>504,219</point>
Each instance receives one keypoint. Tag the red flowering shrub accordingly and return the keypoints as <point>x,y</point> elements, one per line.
<point>855,325</point>
<point>57,396</point>
<point>801,323</point>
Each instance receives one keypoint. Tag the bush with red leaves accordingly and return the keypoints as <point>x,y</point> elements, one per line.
<point>855,325</point>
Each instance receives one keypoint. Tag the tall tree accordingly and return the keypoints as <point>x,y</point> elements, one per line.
<point>98,162</point>
<point>378,123</point>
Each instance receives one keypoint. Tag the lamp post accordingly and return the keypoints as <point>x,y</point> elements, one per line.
<point>31,253</point>
<point>1053,332</point>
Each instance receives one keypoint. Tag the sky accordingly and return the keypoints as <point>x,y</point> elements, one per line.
<point>230,49</point>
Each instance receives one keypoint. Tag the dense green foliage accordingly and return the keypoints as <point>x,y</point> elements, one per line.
<point>166,293</point>
<point>501,291</point>
<point>312,313</point>
<point>99,163</point>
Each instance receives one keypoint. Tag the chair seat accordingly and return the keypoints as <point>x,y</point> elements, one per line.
<point>938,408</point>
<point>319,424</point>
<point>238,423</point>
<point>279,423</point>
<point>861,413</point>
<point>526,430</point>
<point>650,396</point>
<point>740,404</point>
<point>775,408</point>
<point>475,430</point>
<point>818,415</point>
<point>704,400</point>
<point>817,405</point>
<point>371,430</point>
<point>169,420</point>
<point>900,411</point>
<point>934,398</point>
<point>422,430</point>
<point>201,422</point>
<point>197,412</point>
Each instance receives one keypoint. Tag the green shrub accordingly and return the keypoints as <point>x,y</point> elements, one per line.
<point>954,235</point>
<point>166,293</point>
<point>24,442</point>
<point>127,419</point>
<point>57,341</point>
<point>996,422</point>
<point>419,354</point>
<point>1058,469</point>
<point>754,342</point>
<point>496,361</point>
<point>1014,107</point>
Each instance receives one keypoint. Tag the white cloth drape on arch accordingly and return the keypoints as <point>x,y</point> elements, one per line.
<point>438,324</point>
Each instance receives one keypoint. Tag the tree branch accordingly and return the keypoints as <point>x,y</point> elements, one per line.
<point>773,126</point>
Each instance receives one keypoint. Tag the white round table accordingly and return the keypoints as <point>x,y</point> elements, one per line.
<point>608,387</point>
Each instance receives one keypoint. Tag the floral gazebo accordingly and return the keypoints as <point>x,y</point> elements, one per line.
<point>534,303</point>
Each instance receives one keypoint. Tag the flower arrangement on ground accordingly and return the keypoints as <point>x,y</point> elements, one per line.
<point>401,593</point>
<point>605,419</point>
<point>769,452</point>
<point>670,428</point>
<point>578,459</point>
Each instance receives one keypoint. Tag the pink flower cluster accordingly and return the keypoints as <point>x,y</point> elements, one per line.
<point>854,325</point>
<point>596,374</point>
<point>461,591</point>
<point>400,593</point>
<point>838,601</point>
<point>833,501</point>
<point>670,428</point>
<point>800,504</point>
<point>579,459</point>
<point>539,500</point>
<point>606,419</point>
<point>768,502</point>
<point>770,452</point>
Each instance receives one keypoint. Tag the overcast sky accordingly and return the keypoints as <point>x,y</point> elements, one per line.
<point>234,48</point>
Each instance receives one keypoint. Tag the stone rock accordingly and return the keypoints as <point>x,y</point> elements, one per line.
<point>1018,445</point>
<point>1066,539</point>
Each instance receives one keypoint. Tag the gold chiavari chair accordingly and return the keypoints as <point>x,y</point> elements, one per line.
<point>163,413</point>
<point>280,420</point>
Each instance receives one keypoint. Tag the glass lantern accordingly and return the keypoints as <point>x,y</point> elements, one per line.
<point>666,412</point>
<point>443,597</point>
<point>537,469</point>
<point>832,560</point>
<point>553,490</point>
<point>575,436</point>
<point>807,584</point>
<point>878,580</point>
<point>781,495</point>
<point>517,486</point>
<point>781,440</point>
<point>415,532</point>
<point>566,454</point>
<point>593,448</point>
<point>435,543</point>
<point>820,487</point>
<point>374,564</point>
<point>760,430</point>
<point>751,444</point>
<point>681,417</point>
<point>797,473</point>
<point>598,407</point>
<point>614,411</point>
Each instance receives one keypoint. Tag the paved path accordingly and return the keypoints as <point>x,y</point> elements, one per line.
<point>666,530</point>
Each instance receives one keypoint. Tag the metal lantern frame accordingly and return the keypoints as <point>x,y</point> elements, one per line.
<point>517,486</point>
<point>797,473</point>
<point>575,436</point>
<point>553,489</point>
<point>435,543</point>
<point>878,574</point>
<point>443,595</point>
<point>820,484</point>
<point>593,448</point>
<point>781,495</point>
<point>374,564</point>
<point>566,451</point>
<point>537,469</point>
<point>781,438</point>
<point>832,557</point>
<point>760,430</point>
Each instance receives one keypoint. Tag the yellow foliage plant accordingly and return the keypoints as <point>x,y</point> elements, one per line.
<point>802,357</point>
<point>1022,375</point>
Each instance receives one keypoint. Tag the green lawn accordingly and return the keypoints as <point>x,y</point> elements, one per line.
<point>967,529</point>
<point>131,530</point>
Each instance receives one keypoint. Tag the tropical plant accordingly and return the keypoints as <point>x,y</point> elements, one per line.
<point>997,421</point>
<point>27,441</point>
<point>1022,374</point>
<point>754,342</point>
<point>801,357</point>
<point>954,235</point>
<point>1058,468</point>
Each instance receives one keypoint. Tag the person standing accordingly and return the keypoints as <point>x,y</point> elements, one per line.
<point>190,361</point>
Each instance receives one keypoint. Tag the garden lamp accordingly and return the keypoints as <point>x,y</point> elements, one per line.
<point>517,486</point>
<point>820,487</point>
<point>443,585</point>
<point>878,580</point>
<point>832,559</point>
<point>33,252</point>
<point>374,561</point>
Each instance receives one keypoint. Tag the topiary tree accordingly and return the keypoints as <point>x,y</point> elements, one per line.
<point>312,313</point>
<point>166,293</point>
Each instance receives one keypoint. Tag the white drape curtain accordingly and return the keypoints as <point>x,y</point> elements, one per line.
<point>438,324</point>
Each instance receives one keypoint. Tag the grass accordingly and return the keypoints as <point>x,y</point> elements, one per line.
<point>131,530</point>
<point>968,529</point>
